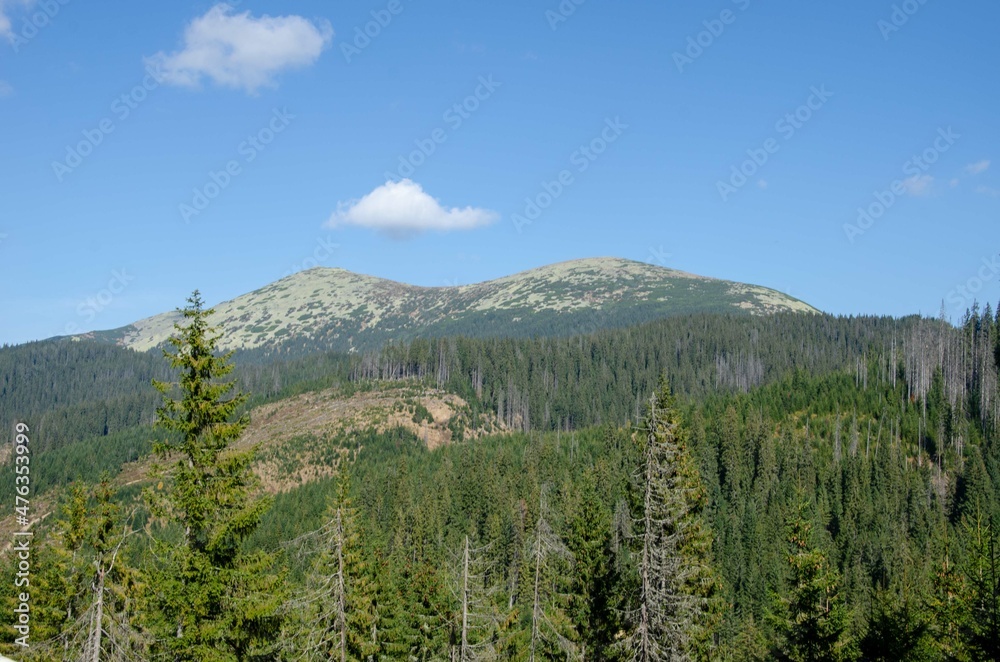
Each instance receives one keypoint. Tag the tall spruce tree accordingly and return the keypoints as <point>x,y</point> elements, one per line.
<point>675,610</point>
<point>981,625</point>
<point>59,613</point>
<point>948,607</point>
<point>815,617</point>
<point>111,635</point>
<point>85,583</point>
<point>210,599</point>
<point>595,583</point>
<point>338,615</point>
<point>427,614</point>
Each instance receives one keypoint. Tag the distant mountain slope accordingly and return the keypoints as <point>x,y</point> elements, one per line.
<point>339,310</point>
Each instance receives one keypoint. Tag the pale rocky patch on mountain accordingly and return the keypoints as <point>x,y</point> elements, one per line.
<point>341,310</point>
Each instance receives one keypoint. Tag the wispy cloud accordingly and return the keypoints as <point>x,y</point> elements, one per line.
<point>403,208</point>
<point>241,51</point>
<point>6,29</point>
<point>977,167</point>
<point>5,89</point>
<point>988,191</point>
<point>4,22</point>
<point>918,185</point>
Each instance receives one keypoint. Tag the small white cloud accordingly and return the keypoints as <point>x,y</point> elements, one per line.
<point>240,51</point>
<point>762,183</point>
<point>5,89</point>
<point>403,208</point>
<point>977,167</point>
<point>918,185</point>
<point>954,182</point>
<point>988,191</point>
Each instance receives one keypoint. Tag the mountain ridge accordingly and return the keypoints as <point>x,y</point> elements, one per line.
<point>333,308</point>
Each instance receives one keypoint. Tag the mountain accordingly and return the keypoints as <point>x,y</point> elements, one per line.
<point>334,309</point>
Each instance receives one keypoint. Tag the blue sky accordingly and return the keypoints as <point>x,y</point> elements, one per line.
<point>642,110</point>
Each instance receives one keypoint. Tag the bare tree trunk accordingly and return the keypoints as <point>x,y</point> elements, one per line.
<point>464,655</point>
<point>647,540</point>
<point>341,597</point>
<point>99,619</point>
<point>534,610</point>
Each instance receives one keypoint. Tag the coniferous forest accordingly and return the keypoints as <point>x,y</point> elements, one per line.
<point>561,331</point>
<point>706,487</point>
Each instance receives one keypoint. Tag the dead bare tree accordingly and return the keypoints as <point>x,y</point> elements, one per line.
<point>676,580</point>
<point>478,621</point>
<point>320,631</point>
<point>546,551</point>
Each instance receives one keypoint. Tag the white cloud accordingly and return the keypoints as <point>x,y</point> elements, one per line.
<point>762,183</point>
<point>6,29</point>
<point>918,185</point>
<point>5,89</point>
<point>402,208</point>
<point>978,167</point>
<point>989,191</point>
<point>238,50</point>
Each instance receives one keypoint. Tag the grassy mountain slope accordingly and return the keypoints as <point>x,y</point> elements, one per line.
<point>343,311</point>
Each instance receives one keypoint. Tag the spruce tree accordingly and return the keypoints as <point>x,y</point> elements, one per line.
<point>549,633</point>
<point>594,595</point>
<point>111,634</point>
<point>981,624</point>
<point>59,614</point>
<point>339,613</point>
<point>948,607</point>
<point>675,611</point>
<point>898,631</point>
<point>84,585</point>
<point>996,339</point>
<point>426,613</point>
<point>815,621</point>
<point>210,599</point>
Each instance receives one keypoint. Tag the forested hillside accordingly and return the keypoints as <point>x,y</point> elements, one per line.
<point>71,391</point>
<point>602,377</point>
<point>83,390</point>
<point>74,391</point>
<point>807,488</point>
